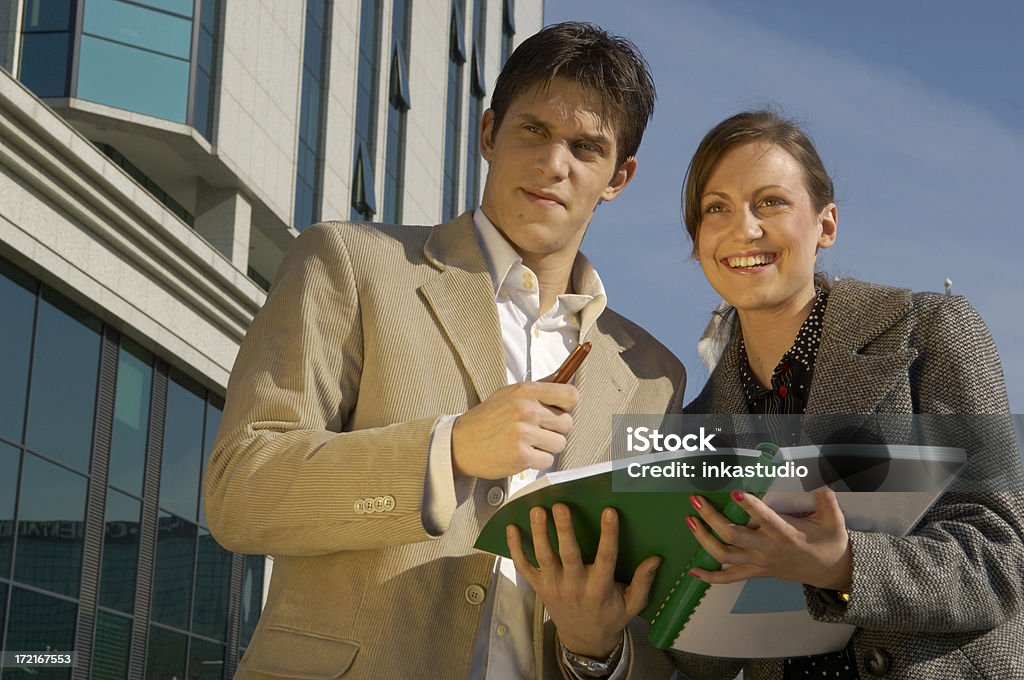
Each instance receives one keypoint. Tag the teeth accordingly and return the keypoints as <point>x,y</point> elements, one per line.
<point>750,261</point>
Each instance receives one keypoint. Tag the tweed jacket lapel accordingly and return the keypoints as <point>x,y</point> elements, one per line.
<point>462,300</point>
<point>606,384</point>
<point>853,373</point>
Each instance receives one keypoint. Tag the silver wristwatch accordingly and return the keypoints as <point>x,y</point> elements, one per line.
<point>586,667</point>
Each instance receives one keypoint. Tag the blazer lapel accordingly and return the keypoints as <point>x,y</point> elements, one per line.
<point>606,385</point>
<point>847,380</point>
<point>462,300</point>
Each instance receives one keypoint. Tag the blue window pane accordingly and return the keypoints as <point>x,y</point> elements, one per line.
<point>131,418</point>
<point>132,79</point>
<point>205,60</point>
<point>38,622</point>
<point>8,492</point>
<point>17,307</point>
<point>313,46</point>
<point>51,516</point>
<point>47,15</point>
<point>165,657</point>
<point>213,581</point>
<point>183,7</point>
<point>129,23</point>
<point>172,577</point>
<point>252,598</point>
<point>182,450</point>
<point>201,109</point>
<point>214,411</point>
<point>64,372</point>
<point>112,646</point>
<point>44,63</point>
<point>120,552</point>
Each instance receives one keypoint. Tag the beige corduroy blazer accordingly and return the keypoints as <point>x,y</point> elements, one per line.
<point>371,332</point>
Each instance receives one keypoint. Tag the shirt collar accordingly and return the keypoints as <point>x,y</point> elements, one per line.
<point>508,271</point>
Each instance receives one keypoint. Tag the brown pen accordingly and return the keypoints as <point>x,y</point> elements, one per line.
<point>568,368</point>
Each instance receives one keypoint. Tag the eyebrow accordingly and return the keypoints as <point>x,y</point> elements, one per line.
<point>756,191</point>
<point>596,138</point>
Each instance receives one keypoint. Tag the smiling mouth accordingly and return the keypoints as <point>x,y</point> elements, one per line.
<point>751,261</point>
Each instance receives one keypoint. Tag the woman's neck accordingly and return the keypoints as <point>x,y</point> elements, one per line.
<point>768,335</point>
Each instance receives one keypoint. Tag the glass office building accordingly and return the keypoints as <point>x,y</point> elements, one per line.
<point>157,158</point>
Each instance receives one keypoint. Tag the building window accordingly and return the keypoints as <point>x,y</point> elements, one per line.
<point>47,33</point>
<point>453,112</point>
<point>508,29</point>
<point>477,92</point>
<point>137,57</point>
<point>90,398</point>
<point>364,199</point>
<point>204,91</point>
<point>398,104</point>
<point>311,115</point>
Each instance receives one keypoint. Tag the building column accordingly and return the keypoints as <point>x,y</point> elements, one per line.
<point>224,218</point>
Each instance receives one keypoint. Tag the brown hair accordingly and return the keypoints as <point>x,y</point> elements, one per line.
<point>609,66</point>
<point>763,125</point>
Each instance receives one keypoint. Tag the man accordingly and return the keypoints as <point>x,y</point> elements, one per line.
<point>388,398</point>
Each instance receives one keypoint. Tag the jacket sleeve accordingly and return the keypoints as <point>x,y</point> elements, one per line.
<point>960,569</point>
<point>282,474</point>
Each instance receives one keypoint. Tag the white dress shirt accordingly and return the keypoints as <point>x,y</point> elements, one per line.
<point>535,345</point>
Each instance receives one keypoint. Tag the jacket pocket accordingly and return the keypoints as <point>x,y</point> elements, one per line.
<point>289,653</point>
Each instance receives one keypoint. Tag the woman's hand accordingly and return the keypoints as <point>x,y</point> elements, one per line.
<point>812,549</point>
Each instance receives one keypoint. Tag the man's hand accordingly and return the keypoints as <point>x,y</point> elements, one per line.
<point>588,607</point>
<point>518,427</point>
<point>812,549</point>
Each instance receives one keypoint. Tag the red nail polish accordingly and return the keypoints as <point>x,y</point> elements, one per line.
<point>693,573</point>
<point>692,523</point>
<point>696,502</point>
<point>737,496</point>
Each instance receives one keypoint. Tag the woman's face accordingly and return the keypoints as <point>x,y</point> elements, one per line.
<point>759,230</point>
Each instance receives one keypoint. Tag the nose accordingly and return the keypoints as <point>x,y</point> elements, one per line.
<point>553,160</point>
<point>748,225</point>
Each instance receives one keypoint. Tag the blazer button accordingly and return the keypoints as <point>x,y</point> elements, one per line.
<point>495,495</point>
<point>474,594</point>
<point>389,503</point>
<point>877,661</point>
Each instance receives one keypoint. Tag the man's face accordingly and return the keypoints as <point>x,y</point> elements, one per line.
<point>551,161</point>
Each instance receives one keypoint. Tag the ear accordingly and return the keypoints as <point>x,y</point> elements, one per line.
<point>487,135</point>
<point>620,179</point>
<point>829,221</point>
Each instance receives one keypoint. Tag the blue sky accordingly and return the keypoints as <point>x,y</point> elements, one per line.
<point>916,107</point>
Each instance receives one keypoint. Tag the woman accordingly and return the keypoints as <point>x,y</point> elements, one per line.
<point>944,602</point>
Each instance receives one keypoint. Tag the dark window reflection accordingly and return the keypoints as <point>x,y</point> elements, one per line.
<point>183,448</point>
<point>120,552</point>
<point>172,580</point>
<point>17,307</point>
<point>8,492</point>
<point>252,597</point>
<point>206,661</point>
<point>111,648</point>
<point>165,658</point>
<point>38,622</point>
<point>51,518</point>
<point>213,581</point>
<point>131,417</point>
<point>214,410</point>
<point>64,372</point>
<point>46,46</point>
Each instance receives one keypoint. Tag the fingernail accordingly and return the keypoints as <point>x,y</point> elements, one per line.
<point>737,496</point>
<point>692,523</point>
<point>696,502</point>
<point>654,568</point>
<point>537,514</point>
<point>693,573</point>
<point>608,515</point>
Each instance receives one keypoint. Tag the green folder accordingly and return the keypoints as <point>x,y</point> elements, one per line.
<point>650,523</point>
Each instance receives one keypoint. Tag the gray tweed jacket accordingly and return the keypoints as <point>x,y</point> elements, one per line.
<point>946,601</point>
